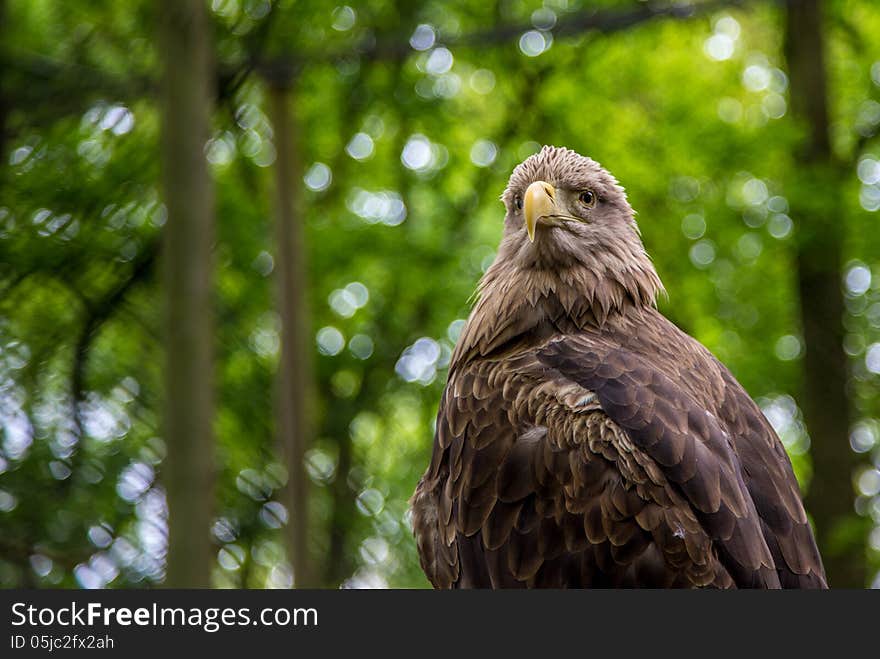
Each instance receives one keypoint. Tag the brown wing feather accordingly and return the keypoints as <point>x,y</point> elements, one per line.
<point>542,496</point>
<point>627,456</point>
<point>771,483</point>
<point>720,451</point>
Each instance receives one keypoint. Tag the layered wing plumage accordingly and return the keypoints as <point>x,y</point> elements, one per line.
<point>620,456</point>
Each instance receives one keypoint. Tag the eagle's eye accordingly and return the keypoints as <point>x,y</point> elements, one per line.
<point>517,202</point>
<point>587,198</point>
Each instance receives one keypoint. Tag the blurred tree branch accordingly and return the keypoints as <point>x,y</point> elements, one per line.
<point>604,21</point>
<point>96,315</point>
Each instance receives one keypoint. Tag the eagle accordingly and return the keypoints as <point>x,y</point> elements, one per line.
<point>585,441</point>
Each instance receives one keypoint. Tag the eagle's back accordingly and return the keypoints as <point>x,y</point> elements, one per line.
<point>621,456</point>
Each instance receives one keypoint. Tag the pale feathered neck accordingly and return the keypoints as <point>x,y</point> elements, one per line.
<point>514,301</point>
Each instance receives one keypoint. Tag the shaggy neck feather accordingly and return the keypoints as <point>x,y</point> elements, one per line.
<point>518,294</point>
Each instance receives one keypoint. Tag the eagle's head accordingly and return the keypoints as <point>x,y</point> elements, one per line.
<point>570,254</point>
<point>562,209</point>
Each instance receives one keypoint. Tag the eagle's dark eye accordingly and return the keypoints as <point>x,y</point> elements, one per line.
<point>517,202</point>
<point>587,198</point>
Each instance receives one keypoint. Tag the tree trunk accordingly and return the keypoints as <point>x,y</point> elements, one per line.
<point>188,471</point>
<point>816,206</point>
<point>293,422</point>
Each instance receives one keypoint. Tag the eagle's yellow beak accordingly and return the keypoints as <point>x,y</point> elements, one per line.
<point>539,201</point>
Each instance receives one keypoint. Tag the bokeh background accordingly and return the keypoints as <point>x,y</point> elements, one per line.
<point>754,168</point>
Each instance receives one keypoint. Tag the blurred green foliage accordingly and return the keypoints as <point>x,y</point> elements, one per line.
<point>405,151</point>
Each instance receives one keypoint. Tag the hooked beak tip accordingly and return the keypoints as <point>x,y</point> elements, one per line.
<point>539,201</point>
